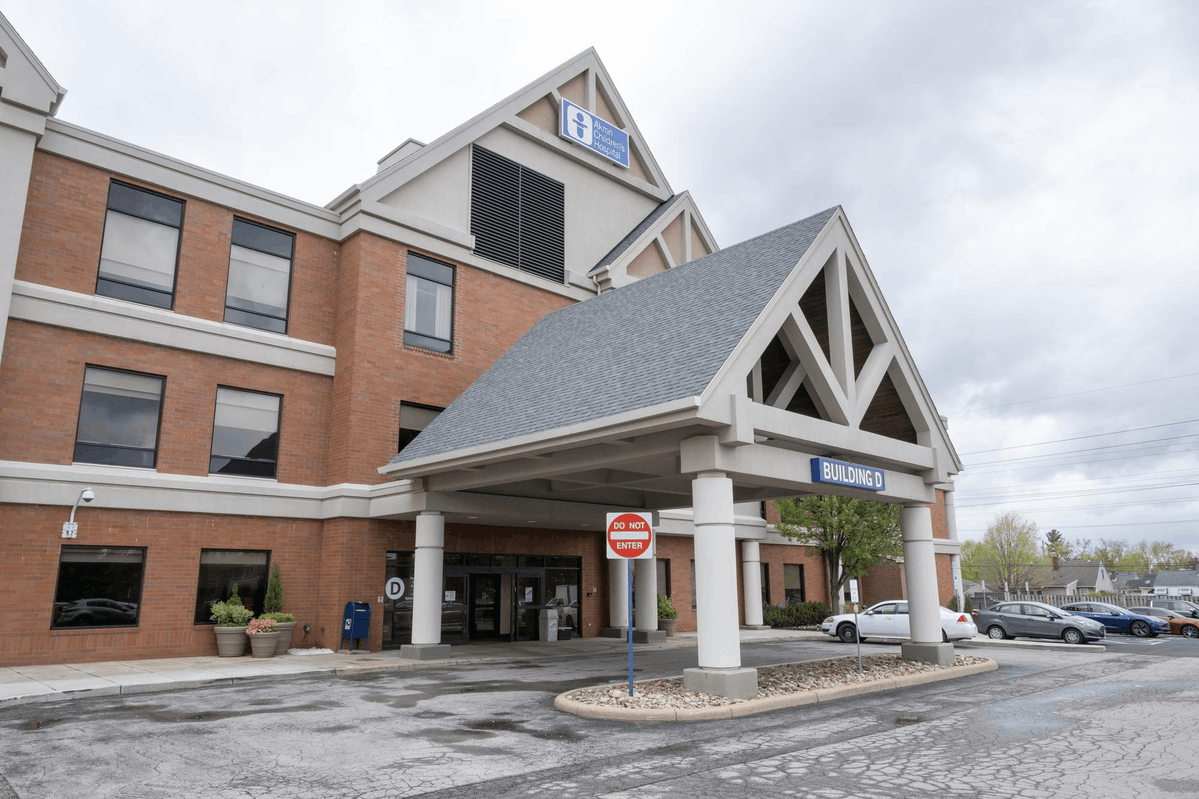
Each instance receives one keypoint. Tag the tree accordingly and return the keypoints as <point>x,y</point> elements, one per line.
<point>1009,553</point>
<point>274,593</point>
<point>849,535</point>
<point>1056,545</point>
<point>970,560</point>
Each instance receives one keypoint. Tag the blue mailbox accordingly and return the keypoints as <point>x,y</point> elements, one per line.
<point>356,624</point>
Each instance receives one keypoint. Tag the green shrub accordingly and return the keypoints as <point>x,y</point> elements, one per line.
<point>233,597</point>
<point>278,616</point>
<point>274,593</point>
<point>666,608</point>
<point>953,605</point>
<point>797,614</point>
<point>231,613</point>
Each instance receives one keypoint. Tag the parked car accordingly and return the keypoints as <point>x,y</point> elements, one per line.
<point>97,612</point>
<point>1183,607</point>
<point>1037,620</point>
<point>1179,625</point>
<point>890,620</point>
<point>1118,620</point>
<point>567,612</point>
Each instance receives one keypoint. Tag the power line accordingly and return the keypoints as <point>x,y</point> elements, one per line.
<point>1087,526</point>
<point>1074,394</point>
<point>1079,438</point>
<point>1072,462</point>
<point>1088,449</point>
<point>1092,507</point>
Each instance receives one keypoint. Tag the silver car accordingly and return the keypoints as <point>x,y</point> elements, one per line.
<point>1037,620</point>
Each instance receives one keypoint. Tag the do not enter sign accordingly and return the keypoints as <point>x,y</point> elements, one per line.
<point>630,535</point>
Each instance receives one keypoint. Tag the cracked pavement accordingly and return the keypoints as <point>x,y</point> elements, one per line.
<point>1047,724</point>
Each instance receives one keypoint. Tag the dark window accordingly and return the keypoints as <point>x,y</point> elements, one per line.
<point>517,216</point>
<point>793,583</point>
<point>692,583</point>
<point>118,418</point>
<point>259,277</point>
<point>429,304</point>
<point>765,580</point>
<point>98,587</point>
<point>245,433</point>
<point>413,419</point>
<point>141,246</point>
<point>220,569</point>
<point>664,577</point>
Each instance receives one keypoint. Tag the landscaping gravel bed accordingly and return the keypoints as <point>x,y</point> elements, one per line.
<point>786,678</point>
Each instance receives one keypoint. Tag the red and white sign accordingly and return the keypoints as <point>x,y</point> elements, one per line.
<point>630,535</point>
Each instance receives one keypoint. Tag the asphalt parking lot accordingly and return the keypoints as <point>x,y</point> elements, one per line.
<point>1047,723</point>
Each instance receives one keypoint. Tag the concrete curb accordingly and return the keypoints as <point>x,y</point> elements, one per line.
<point>752,707</point>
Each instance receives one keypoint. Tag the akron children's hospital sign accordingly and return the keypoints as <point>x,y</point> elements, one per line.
<point>583,127</point>
<point>825,470</point>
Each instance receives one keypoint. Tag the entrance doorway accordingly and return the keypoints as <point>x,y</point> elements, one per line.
<point>483,610</point>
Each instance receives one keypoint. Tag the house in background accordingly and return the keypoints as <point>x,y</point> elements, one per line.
<point>1132,583</point>
<point>1176,583</point>
<point>1077,578</point>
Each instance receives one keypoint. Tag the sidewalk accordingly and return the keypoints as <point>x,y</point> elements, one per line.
<point>25,684</point>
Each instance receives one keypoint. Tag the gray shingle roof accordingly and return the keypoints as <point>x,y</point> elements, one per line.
<point>654,341</point>
<point>628,240</point>
<point>1178,578</point>
<point>1086,573</point>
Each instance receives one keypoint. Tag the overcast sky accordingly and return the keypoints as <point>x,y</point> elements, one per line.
<point>1022,177</point>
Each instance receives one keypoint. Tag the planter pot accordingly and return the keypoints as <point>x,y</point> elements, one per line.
<point>667,626</point>
<point>230,641</point>
<point>262,645</point>
<point>285,629</point>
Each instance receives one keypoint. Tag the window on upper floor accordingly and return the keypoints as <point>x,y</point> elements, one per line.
<point>429,304</point>
<point>259,277</point>
<point>245,433</point>
<point>118,418</point>
<point>141,246</point>
<point>517,216</point>
<point>413,419</point>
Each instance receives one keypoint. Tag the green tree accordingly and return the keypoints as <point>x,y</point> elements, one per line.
<point>849,535</point>
<point>970,560</point>
<point>1056,545</point>
<point>1009,553</point>
<point>274,593</point>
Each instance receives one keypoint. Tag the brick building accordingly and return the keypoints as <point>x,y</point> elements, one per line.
<point>231,371</point>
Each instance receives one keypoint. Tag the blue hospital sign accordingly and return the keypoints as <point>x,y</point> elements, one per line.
<point>588,130</point>
<point>853,475</point>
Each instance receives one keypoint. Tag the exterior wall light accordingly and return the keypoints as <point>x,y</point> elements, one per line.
<point>71,529</point>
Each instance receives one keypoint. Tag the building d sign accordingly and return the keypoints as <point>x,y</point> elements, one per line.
<point>586,129</point>
<point>825,470</point>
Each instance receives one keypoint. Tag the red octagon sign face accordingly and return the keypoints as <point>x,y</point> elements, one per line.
<point>630,535</point>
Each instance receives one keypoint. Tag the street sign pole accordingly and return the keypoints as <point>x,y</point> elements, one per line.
<point>629,563</point>
<point>630,535</point>
<point>857,636</point>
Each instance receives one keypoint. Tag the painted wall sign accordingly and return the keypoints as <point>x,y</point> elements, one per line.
<point>825,470</point>
<point>586,129</point>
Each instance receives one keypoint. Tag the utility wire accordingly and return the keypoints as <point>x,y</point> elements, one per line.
<point>1079,438</point>
<point>1088,449</point>
<point>1074,394</point>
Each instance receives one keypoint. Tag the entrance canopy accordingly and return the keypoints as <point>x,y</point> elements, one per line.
<point>751,361</point>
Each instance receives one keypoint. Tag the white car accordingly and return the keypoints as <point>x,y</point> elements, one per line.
<point>890,620</point>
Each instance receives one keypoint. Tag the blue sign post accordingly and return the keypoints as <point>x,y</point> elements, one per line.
<point>585,128</point>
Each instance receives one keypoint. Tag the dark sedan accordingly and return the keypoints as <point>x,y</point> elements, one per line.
<point>1118,620</point>
<point>1036,620</point>
<point>1180,625</point>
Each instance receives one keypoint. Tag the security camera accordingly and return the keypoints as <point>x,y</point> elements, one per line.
<point>88,495</point>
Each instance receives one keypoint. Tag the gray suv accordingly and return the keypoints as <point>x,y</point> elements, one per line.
<point>1036,620</point>
<point>1180,606</point>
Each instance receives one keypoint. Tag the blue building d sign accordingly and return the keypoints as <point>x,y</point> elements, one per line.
<point>825,470</point>
<point>585,128</point>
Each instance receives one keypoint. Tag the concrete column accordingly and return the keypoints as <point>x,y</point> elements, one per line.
<point>751,580</point>
<point>16,161</point>
<point>955,561</point>
<point>428,578</point>
<point>920,571</point>
<point>719,636</point>
<point>645,602</point>
<point>618,600</point>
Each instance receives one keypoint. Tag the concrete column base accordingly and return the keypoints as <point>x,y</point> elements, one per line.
<point>731,683</point>
<point>940,654</point>
<point>756,627</point>
<point>425,651</point>
<point>649,636</point>
<point>614,632</point>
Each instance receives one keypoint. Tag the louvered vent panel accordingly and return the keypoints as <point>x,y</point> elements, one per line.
<point>517,216</point>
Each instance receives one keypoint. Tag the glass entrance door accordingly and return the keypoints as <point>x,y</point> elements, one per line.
<point>484,609</point>
<point>528,608</point>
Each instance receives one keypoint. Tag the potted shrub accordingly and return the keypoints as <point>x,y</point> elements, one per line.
<point>263,637</point>
<point>668,617</point>
<point>273,609</point>
<point>231,617</point>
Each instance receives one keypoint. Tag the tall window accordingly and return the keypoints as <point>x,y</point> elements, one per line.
<point>793,584</point>
<point>98,587</point>
<point>517,216</point>
<point>765,582</point>
<point>220,569</point>
<point>429,304</point>
<point>692,583</point>
<point>141,246</point>
<point>118,418</point>
<point>245,433</point>
<point>664,577</point>
<point>413,419</point>
<point>259,277</point>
